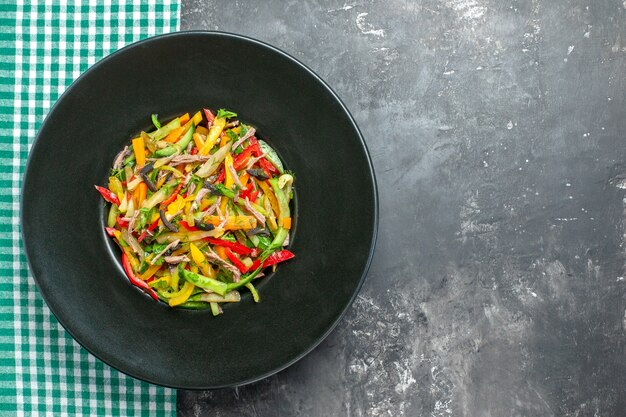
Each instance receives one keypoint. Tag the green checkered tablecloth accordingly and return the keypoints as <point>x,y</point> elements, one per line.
<point>44,46</point>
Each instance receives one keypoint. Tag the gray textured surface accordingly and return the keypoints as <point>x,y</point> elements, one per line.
<point>496,129</point>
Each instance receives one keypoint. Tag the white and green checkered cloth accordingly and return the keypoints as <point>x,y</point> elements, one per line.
<point>44,46</point>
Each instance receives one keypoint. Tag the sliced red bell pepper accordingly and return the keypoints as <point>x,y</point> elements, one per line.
<point>108,195</point>
<point>173,196</point>
<point>150,229</point>
<point>136,281</point>
<point>231,256</point>
<point>194,151</point>
<point>221,176</point>
<point>187,227</point>
<point>266,171</point>
<point>253,195</point>
<point>246,191</point>
<point>278,257</point>
<point>234,246</point>
<point>273,259</point>
<point>110,231</point>
<point>254,143</point>
<point>255,148</point>
<point>209,115</point>
<point>122,222</point>
<point>154,225</point>
<point>255,265</point>
<point>243,158</point>
<point>268,167</point>
<point>142,236</point>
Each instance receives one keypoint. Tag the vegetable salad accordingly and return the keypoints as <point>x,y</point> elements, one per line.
<point>199,208</point>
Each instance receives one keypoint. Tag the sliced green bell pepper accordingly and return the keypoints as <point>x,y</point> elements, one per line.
<point>271,155</point>
<point>201,281</point>
<point>164,130</point>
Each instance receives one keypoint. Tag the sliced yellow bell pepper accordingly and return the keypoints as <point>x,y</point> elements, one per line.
<point>149,272</point>
<point>173,170</point>
<point>207,270</point>
<point>202,130</point>
<point>228,181</point>
<point>197,139</point>
<point>175,278</point>
<point>204,204</point>
<point>287,223</point>
<point>160,182</point>
<point>131,256</point>
<point>182,295</point>
<point>197,118</point>
<point>115,185</point>
<point>214,134</point>
<point>166,279</point>
<point>269,216</point>
<point>233,222</point>
<point>271,221</point>
<point>176,205</point>
<point>200,260</point>
<point>196,254</point>
<point>139,148</point>
<point>267,190</point>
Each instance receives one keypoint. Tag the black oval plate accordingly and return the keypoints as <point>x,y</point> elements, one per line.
<point>79,274</point>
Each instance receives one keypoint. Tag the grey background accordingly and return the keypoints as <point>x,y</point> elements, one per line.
<point>496,130</point>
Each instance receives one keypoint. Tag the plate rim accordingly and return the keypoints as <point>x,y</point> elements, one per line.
<point>273,49</point>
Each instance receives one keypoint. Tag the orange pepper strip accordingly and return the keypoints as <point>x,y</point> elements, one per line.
<point>184,118</point>
<point>243,178</point>
<point>174,135</point>
<point>224,139</point>
<point>221,252</point>
<point>143,191</point>
<point>135,196</point>
<point>139,148</point>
